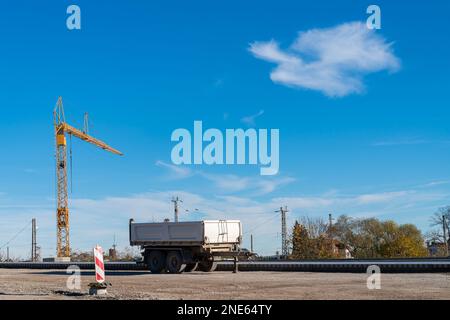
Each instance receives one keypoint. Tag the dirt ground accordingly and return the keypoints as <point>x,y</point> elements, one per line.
<point>52,285</point>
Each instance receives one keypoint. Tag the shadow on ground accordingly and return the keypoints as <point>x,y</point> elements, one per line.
<point>92,273</point>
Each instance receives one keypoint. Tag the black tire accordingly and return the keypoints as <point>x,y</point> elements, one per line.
<point>155,261</point>
<point>174,262</point>
<point>207,266</point>
<point>191,267</point>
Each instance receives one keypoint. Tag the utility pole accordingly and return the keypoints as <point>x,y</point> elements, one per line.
<point>7,254</point>
<point>175,201</point>
<point>445,227</point>
<point>33,241</point>
<point>113,251</point>
<point>284,243</point>
<point>330,231</point>
<point>38,253</point>
<point>251,243</point>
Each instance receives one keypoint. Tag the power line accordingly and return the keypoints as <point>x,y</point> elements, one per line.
<point>15,246</point>
<point>16,235</point>
<point>260,224</point>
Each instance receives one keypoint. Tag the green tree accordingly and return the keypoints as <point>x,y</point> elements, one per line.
<point>366,238</point>
<point>310,240</point>
<point>407,242</point>
<point>372,238</point>
<point>301,245</point>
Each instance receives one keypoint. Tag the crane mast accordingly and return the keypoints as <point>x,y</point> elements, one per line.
<point>62,197</point>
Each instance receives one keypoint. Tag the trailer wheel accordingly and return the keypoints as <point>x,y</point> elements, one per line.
<point>174,262</point>
<point>207,266</point>
<point>191,267</point>
<point>155,261</point>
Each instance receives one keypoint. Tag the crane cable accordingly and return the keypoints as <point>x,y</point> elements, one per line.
<point>70,160</point>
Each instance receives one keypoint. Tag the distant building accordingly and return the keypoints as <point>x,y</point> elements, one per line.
<point>112,254</point>
<point>437,248</point>
<point>341,250</point>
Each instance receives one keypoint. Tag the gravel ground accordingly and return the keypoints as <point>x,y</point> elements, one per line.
<point>51,285</point>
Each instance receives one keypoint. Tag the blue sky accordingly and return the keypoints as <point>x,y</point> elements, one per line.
<point>143,69</point>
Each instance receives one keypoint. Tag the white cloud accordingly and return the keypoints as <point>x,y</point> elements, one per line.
<point>435,183</point>
<point>269,185</point>
<point>381,197</point>
<point>177,172</point>
<point>337,200</point>
<point>333,60</point>
<point>102,218</point>
<point>257,185</point>
<point>399,142</point>
<point>407,141</point>
<point>99,220</point>
<point>250,120</point>
<point>229,183</point>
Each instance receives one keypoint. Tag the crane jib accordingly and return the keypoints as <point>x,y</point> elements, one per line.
<point>62,211</point>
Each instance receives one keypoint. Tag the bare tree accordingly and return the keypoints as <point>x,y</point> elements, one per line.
<point>310,239</point>
<point>128,254</point>
<point>440,220</point>
<point>438,217</point>
<point>434,236</point>
<point>316,227</point>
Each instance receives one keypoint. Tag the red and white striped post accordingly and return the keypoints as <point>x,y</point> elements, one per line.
<point>99,265</point>
<point>99,286</point>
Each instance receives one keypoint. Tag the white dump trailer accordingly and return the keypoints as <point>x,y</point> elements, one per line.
<point>175,247</point>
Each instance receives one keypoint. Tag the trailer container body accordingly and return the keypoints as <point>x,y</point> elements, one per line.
<point>185,246</point>
<point>208,232</point>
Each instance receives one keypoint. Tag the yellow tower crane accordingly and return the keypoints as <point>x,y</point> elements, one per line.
<point>62,197</point>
